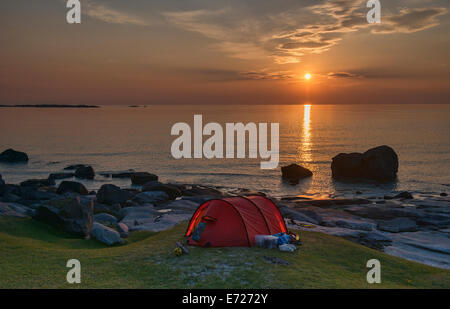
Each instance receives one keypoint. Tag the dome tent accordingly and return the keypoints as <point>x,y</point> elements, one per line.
<point>234,222</point>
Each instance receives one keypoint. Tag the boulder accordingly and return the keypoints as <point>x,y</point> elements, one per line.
<point>15,210</point>
<point>443,194</point>
<point>140,178</point>
<point>202,191</point>
<point>105,218</point>
<point>85,172</point>
<point>2,182</point>
<point>105,234</point>
<point>295,172</point>
<point>152,197</point>
<point>56,176</point>
<point>398,225</point>
<point>72,186</point>
<point>111,194</point>
<point>13,156</point>
<point>182,206</point>
<point>378,164</point>
<point>72,216</point>
<point>74,167</point>
<point>36,183</point>
<point>405,195</point>
<point>132,213</point>
<point>172,191</point>
<point>104,208</point>
<point>123,230</point>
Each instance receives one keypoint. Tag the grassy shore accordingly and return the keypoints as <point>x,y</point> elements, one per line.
<point>34,255</point>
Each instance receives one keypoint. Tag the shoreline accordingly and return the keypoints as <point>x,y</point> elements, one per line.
<point>414,227</point>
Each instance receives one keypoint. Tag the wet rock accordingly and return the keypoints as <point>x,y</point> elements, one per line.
<point>105,218</point>
<point>69,214</point>
<point>119,175</point>
<point>378,164</point>
<point>404,195</point>
<point>105,234</point>
<point>85,172</point>
<point>295,172</point>
<point>13,156</point>
<point>56,176</point>
<point>171,190</point>
<point>72,186</point>
<point>398,225</point>
<point>111,194</point>
<point>443,194</point>
<point>152,197</point>
<point>140,178</point>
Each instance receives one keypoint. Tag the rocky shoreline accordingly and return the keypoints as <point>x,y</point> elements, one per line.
<point>411,226</point>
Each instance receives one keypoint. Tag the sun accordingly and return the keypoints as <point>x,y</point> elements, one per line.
<point>307,76</point>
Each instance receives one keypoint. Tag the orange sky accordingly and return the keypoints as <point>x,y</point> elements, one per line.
<point>224,52</point>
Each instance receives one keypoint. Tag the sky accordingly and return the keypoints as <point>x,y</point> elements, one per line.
<point>143,52</point>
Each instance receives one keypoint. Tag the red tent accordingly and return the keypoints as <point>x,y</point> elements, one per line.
<point>234,222</point>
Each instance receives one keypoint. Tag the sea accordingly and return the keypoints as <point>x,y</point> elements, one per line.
<point>121,138</point>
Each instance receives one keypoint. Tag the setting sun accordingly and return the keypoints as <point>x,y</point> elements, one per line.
<point>308,76</point>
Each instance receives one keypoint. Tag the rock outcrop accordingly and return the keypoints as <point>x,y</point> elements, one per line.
<point>13,156</point>
<point>294,173</point>
<point>377,164</point>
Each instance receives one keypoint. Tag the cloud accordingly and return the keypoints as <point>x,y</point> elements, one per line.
<point>288,33</point>
<point>344,75</point>
<point>411,20</point>
<point>112,16</point>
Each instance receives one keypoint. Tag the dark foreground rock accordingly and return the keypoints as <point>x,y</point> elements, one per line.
<point>295,172</point>
<point>74,167</point>
<point>105,234</point>
<point>70,215</point>
<point>378,164</point>
<point>111,194</point>
<point>72,186</point>
<point>13,156</point>
<point>105,218</point>
<point>140,178</point>
<point>55,176</point>
<point>37,183</point>
<point>85,172</point>
<point>172,191</point>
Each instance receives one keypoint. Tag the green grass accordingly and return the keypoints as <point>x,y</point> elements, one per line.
<point>34,255</point>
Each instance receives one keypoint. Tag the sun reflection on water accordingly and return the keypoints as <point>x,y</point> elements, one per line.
<point>305,146</point>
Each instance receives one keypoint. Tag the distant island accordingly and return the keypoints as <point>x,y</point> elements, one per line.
<point>52,106</point>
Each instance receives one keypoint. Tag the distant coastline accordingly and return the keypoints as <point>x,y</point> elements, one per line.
<point>51,106</point>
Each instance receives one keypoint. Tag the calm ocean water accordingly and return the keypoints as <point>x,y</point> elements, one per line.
<point>121,138</point>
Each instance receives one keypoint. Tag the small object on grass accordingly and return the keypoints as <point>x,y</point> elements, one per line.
<point>287,248</point>
<point>183,248</point>
<point>177,251</point>
<point>275,260</point>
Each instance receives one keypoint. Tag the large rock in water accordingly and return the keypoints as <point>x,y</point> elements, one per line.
<point>141,178</point>
<point>72,186</point>
<point>71,215</point>
<point>379,164</point>
<point>111,194</point>
<point>295,172</point>
<point>13,156</point>
<point>85,172</point>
